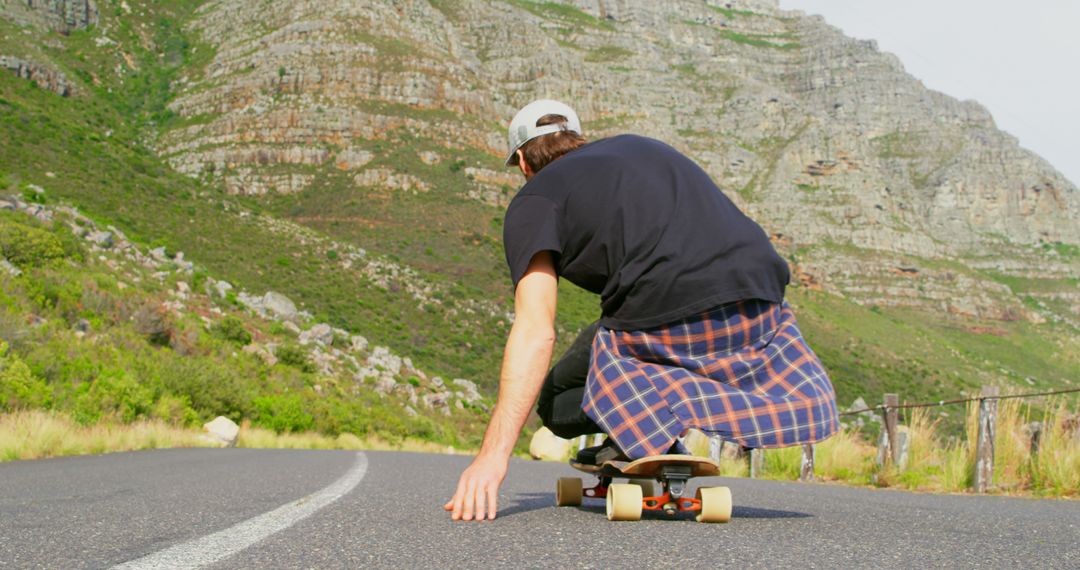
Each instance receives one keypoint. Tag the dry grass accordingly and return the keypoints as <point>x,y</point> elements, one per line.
<point>845,457</point>
<point>266,439</point>
<point>938,465</point>
<point>36,434</point>
<point>1055,468</point>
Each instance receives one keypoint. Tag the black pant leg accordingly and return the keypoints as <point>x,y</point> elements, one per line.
<point>559,405</point>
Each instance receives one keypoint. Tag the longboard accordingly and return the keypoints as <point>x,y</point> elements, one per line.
<point>627,501</point>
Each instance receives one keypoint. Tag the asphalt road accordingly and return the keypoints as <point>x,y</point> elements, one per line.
<point>336,509</point>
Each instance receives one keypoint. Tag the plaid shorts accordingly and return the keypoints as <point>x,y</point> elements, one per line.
<point>741,371</point>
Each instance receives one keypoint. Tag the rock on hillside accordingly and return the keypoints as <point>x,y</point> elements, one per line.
<point>857,168</point>
<point>58,15</point>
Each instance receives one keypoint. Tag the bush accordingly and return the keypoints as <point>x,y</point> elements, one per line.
<point>27,246</point>
<point>114,393</point>
<point>294,355</point>
<point>152,322</point>
<point>282,413</point>
<point>33,194</point>
<point>55,290</point>
<point>213,388</point>
<point>175,409</point>
<point>19,388</point>
<point>232,329</point>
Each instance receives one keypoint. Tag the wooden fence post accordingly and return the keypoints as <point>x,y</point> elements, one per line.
<point>757,463</point>
<point>806,472</point>
<point>1036,437</point>
<point>892,450</point>
<point>984,446</point>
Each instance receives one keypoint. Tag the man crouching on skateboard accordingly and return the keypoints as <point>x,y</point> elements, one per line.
<point>694,331</point>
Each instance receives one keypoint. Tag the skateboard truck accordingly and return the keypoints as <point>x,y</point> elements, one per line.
<point>674,478</point>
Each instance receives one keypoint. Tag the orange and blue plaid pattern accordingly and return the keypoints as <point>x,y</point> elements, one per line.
<point>741,371</point>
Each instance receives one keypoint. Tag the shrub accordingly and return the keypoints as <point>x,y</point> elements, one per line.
<point>19,388</point>
<point>27,246</point>
<point>33,194</point>
<point>175,409</point>
<point>152,321</point>
<point>294,355</point>
<point>214,388</point>
<point>282,413</point>
<point>232,329</point>
<point>116,394</point>
<point>55,290</point>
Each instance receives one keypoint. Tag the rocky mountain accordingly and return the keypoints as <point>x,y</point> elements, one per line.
<point>348,153</point>
<point>823,138</point>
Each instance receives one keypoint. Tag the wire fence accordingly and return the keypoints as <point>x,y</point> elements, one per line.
<point>882,407</point>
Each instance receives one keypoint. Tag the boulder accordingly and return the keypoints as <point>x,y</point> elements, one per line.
<point>358,343</point>
<point>279,305</point>
<point>265,353</point>
<point>102,239</point>
<point>385,384</point>
<point>409,391</point>
<point>320,334</point>
<point>82,325</point>
<point>223,287</point>
<point>324,363</point>
<point>222,431</point>
<point>469,391</point>
<point>382,358</point>
<point>439,401</point>
<point>547,446</point>
<point>8,267</point>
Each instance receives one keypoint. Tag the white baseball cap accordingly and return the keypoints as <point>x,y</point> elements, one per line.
<point>523,128</point>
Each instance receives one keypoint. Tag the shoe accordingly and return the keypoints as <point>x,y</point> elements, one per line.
<point>600,454</point>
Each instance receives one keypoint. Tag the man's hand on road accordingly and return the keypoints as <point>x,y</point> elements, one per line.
<point>525,363</point>
<point>478,490</point>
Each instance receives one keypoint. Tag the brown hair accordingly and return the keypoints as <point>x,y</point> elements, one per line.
<point>542,150</point>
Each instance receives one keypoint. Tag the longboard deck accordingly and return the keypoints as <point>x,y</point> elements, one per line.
<point>650,466</point>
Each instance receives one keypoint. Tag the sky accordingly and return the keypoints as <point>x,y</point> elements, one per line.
<point>1020,59</point>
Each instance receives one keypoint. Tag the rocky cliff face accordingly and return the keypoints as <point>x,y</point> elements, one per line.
<point>58,15</point>
<point>61,16</point>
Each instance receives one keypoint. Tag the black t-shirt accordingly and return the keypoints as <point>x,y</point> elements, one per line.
<point>633,220</point>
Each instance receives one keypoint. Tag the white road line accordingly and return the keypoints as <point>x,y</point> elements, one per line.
<point>211,548</point>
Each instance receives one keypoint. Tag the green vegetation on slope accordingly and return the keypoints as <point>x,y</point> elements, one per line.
<point>97,340</point>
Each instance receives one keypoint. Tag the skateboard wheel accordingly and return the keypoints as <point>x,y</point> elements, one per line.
<point>568,492</point>
<point>624,502</point>
<point>647,487</point>
<point>715,504</point>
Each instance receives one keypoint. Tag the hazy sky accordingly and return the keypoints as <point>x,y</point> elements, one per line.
<point>1020,59</point>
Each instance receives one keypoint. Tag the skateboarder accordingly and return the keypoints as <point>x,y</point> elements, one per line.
<point>694,331</point>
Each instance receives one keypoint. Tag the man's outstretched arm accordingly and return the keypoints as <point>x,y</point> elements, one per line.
<point>525,363</point>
